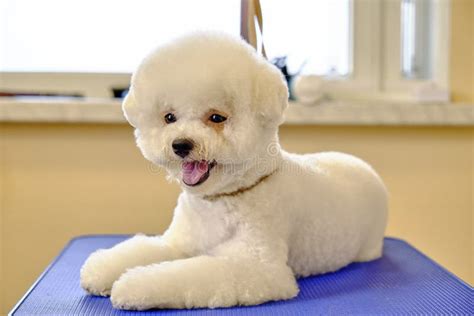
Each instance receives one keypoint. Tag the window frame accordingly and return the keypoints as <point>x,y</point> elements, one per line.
<point>377,72</point>
<point>365,55</point>
<point>95,85</point>
<point>376,63</point>
<point>393,81</point>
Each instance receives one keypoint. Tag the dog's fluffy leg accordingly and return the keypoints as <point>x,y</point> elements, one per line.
<point>105,266</point>
<point>203,281</point>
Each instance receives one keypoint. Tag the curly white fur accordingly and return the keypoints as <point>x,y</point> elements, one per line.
<point>312,213</point>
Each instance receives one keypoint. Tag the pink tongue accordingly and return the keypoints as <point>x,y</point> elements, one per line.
<point>193,171</point>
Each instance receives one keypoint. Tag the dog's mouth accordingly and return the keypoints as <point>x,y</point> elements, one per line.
<point>196,172</point>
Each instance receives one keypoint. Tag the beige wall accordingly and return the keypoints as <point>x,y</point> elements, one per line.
<point>60,181</point>
<point>462,50</point>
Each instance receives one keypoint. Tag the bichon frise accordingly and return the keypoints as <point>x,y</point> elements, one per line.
<point>251,218</point>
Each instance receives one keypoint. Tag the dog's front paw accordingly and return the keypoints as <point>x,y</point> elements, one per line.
<point>162,285</point>
<point>134,290</point>
<point>98,273</point>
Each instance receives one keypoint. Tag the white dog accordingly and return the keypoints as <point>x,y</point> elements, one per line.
<point>251,217</point>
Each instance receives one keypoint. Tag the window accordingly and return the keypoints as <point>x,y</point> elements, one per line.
<point>106,36</point>
<point>364,48</point>
<point>315,35</point>
<point>416,37</point>
<point>419,55</point>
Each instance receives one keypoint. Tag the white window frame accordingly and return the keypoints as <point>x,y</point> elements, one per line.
<point>97,85</point>
<point>392,78</point>
<point>365,55</point>
<point>376,71</point>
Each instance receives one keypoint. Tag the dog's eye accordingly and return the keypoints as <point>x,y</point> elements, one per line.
<point>216,118</point>
<point>170,118</point>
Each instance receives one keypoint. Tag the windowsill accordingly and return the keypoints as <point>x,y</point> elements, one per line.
<point>327,113</point>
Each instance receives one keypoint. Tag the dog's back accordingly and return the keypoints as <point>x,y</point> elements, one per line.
<point>340,213</point>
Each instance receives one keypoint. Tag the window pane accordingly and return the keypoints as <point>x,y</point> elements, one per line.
<point>316,33</point>
<point>416,23</point>
<point>100,35</point>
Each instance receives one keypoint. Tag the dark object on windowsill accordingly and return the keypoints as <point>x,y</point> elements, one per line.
<point>282,64</point>
<point>120,92</point>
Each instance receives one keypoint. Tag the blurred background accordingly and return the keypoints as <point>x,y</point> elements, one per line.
<point>390,81</point>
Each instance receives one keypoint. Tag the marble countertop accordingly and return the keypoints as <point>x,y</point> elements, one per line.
<point>326,113</point>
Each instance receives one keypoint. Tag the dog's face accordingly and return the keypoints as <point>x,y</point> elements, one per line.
<point>206,107</point>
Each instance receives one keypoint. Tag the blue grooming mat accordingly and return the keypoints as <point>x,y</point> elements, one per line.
<point>403,281</point>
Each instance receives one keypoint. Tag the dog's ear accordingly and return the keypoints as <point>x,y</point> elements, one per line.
<point>129,108</point>
<point>270,94</point>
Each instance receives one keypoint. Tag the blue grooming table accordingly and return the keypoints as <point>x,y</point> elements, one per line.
<point>403,281</point>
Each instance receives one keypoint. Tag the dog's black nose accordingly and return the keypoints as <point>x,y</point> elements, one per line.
<point>182,147</point>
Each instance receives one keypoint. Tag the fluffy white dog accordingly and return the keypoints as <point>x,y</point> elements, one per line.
<point>251,217</point>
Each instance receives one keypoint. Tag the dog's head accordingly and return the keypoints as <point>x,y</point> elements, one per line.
<point>207,108</point>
